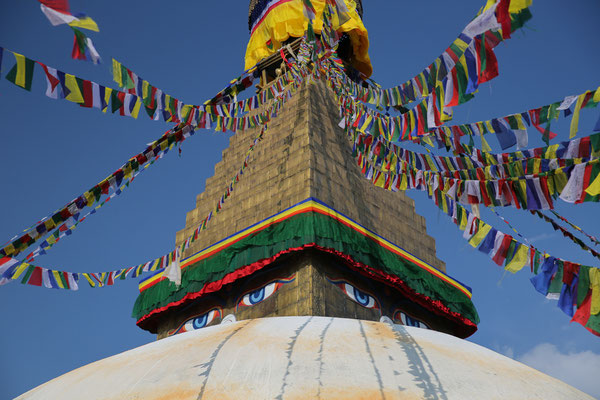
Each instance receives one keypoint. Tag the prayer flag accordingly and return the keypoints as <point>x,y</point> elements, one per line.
<point>541,282</point>
<point>519,259</point>
<point>53,90</point>
<point>58,13</point>
<point>74,91</point>
<point>22,73</point>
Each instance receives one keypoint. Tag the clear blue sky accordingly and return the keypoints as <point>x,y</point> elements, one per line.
<point>54,150</point>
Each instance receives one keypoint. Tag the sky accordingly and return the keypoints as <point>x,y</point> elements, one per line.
<point>53,150</point>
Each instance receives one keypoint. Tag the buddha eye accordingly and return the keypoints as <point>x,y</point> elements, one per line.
<point>259,295</point>
<point>263,293</point>
<point>364,299</point>
<point>197,322</point>
<point>405,319</point>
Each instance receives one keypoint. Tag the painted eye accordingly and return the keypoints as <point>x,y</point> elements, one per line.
<point>407,320</point>
<point>360,297</point>
<point>259,295</point>
<point>197,322</point>
<point>364,299</point>
<point>263,293</point>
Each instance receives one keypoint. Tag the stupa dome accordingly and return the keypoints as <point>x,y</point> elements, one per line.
<point>306,358</point>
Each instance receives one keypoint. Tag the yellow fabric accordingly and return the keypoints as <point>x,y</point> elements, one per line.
<point>551,151</point>
<point>58,279</point>
<point>9,249</point>
<point>89,279</point>
<point>485,146</point>
<point>519,260</point>
<point>596,97</point>
<point>380,180</point>
<point>85,23</point>
<point>23,267</point>
<point>91,199</point>
<point>404,182</point>
<point>595,286</point>
<point>520,123</point>
<point>75,95</point>
<point>515,5</point>
<point>575,117</point>
<point>482,232</point>
<point>136,108</point>
<point>594,188</point>
<point>288,19</point>
<point>116,67</point>
<point>107,94</point>
<point>21,69</point>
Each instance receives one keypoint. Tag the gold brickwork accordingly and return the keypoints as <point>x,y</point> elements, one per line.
<point>304,154</point>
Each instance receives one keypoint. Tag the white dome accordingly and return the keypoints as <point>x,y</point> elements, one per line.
<point>306,358</point>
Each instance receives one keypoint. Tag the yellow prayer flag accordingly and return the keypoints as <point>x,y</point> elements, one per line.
<point>85,23</point>
<point>519,260</point>
<point>23,267</point>
<point>463,221</point>
<point>551,151</point>
<point>575,118</point>
<point>58,278</point>
<point>518,5</point>
<point>117,72</point>
<point>9,249</point>
<point>21,76</point>
<point>91,199</point>
<point>537,165</point>
<point>404,182</point>
<point>523,185</point>
<point>89,279</point>
<point>596,97</point>
<point>107,94</point>
<point>559,181</point>
<point>380,180</point>
<point>520,123</point>
<point>594,188</point>
<point>127,170</point>
<point>427,140</point>
<point>595,286</point>
<point>481,233</point>
<point>485,145</point>
<point>145,87</point>
<point>136,108</point>
<point>75,93</point>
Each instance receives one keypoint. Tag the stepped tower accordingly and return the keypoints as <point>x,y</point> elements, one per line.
<point>362,252</point>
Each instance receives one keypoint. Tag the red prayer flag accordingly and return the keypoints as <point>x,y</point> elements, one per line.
<point>491,63</point>
<point>88,95</point>
<point>503,17</point>
<point>57,5</point>
<point>36,277</point>
<point>500,255</point>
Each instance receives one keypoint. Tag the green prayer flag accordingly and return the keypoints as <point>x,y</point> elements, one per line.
<point>115,102</point>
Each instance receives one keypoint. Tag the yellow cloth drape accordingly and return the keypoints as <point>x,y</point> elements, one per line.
<point>287,19</point>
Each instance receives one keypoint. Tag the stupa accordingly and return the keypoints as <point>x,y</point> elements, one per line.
<point>310,282</point>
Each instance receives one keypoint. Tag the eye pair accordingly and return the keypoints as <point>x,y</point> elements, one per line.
<point>256,296</point>
<point>368,301</point>
<point>248,299</point>
<point>198,322</point>
<point>361,297</point>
